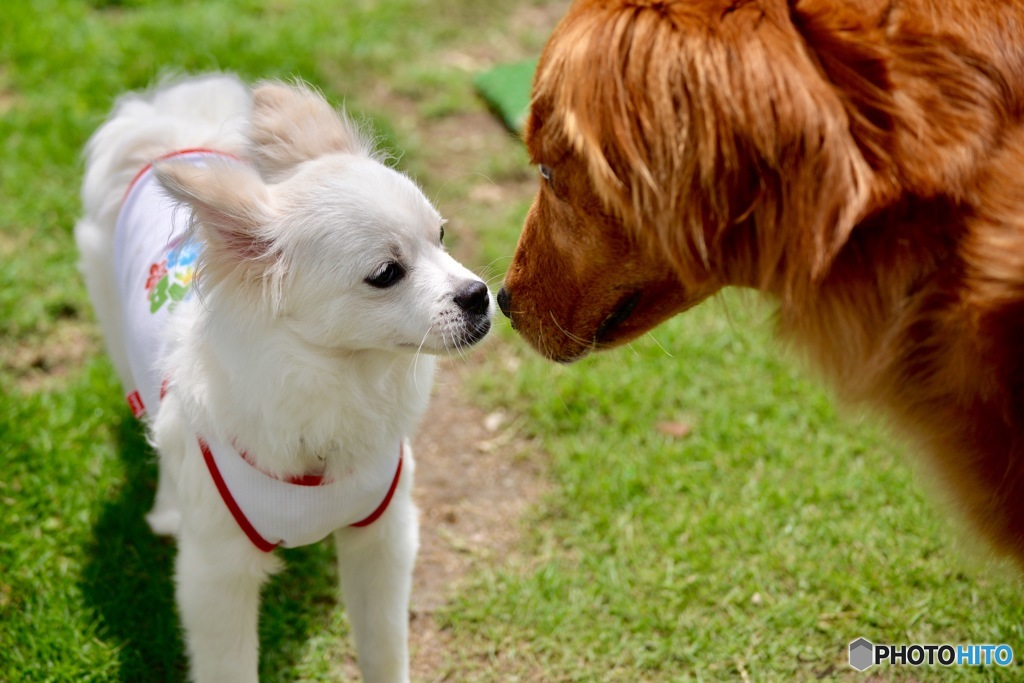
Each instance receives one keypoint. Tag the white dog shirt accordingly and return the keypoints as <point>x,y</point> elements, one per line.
<point>154,265</point>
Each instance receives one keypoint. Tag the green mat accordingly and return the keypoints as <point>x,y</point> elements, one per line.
<point>506,88</point>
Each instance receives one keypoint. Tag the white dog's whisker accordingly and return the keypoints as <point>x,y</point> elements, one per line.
<point>416,357</point>
<point>460,176</point>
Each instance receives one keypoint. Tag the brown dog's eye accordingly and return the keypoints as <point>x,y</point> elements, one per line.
<point>545,172</point>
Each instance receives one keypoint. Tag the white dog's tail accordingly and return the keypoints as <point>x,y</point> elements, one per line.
<point>210,111</point>
<point>203,111</point>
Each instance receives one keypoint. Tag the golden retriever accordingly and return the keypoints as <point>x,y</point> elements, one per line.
<point>860,161</point>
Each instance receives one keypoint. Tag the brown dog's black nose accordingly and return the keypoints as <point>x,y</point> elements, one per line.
<point>474,298</point>
<point>503,302</point>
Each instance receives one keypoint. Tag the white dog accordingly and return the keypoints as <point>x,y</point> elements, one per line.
<point>281,387</point>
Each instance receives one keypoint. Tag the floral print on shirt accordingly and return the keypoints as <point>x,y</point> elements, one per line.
<point>170,280</point>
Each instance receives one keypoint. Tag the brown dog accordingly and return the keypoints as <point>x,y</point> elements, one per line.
<point>861,161</point>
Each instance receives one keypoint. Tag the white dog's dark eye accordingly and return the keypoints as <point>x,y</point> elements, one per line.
<point>441,240</point>
<point>545,172</point>
<point>390,273</point>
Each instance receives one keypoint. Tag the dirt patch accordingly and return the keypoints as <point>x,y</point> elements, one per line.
<point>13,240</point>
<point>476,476</point>
<point>9,98</point>
<point>43,363</point>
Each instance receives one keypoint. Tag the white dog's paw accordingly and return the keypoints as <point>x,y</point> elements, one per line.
<point>164,522</point>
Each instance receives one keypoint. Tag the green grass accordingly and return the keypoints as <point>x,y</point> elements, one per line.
<point>760,544</point>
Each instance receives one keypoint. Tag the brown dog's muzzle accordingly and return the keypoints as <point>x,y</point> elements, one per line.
<point>577,283</point>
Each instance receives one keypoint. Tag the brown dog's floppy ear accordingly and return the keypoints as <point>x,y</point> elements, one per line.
<point>818,112</point>
<point>719,132</point>
<point>291,124</point>
<point>839,162</point>
<point>232,210</point>
<point>849,49</point>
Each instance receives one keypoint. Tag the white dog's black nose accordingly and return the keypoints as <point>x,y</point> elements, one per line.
<point>474,298</point>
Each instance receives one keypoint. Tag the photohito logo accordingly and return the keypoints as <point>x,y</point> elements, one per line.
<point>865,654</point>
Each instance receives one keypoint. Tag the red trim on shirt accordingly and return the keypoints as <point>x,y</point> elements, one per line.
<point>171,155</point>
<point>247,527</point>
<point>229,500</point>
<point>375,515</point>
<point>300,480</point>
<point>134,400</point>
<point>308,480</point>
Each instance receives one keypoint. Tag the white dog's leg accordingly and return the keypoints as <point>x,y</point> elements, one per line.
<point>218,588</point>
<point>165,517</point>
<point>375,564</point>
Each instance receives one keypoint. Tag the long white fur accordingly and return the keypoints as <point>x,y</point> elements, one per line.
<point>286,350</point>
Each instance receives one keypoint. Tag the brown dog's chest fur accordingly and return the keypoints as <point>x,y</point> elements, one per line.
<point>922,315</point>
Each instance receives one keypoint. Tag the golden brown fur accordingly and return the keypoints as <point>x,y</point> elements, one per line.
<point>861,161</point>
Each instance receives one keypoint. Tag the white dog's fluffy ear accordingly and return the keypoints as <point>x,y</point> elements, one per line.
<point>292,124</point>
<point>232,208</point>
